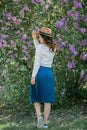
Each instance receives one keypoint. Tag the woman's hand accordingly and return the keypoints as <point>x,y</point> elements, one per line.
<point>32,80</point>
<point>35,34</point>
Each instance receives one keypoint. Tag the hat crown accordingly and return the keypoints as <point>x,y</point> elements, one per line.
<point>46,30</point>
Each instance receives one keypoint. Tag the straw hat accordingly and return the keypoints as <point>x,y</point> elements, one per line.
<point>46,31</point>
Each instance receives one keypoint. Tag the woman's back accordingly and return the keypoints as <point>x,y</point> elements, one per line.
<point>46,55</point>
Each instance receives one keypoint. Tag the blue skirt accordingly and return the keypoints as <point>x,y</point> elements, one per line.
<point>43,90</point>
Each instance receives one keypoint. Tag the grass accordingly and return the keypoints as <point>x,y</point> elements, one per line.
<point>74,118</point>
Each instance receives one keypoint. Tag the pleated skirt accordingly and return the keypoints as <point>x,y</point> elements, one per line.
<point>43,90</point>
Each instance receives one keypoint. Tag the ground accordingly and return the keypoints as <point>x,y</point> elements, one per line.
<point>74,118</point>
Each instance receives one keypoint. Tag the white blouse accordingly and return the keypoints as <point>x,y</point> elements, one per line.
<point>43,57</point>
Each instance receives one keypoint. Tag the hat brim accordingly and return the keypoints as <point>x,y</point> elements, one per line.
<point>46,34</point>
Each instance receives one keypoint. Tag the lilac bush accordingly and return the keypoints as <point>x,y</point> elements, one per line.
<point>68,21</point>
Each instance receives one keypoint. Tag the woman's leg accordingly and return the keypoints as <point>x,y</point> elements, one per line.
<point>47,108</point>
<point>37,108</point>
<point>38,112</point>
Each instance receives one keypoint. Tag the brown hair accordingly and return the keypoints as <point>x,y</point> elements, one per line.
<point>49,42</point>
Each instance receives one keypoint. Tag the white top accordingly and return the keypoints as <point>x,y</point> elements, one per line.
<point>43,57</point>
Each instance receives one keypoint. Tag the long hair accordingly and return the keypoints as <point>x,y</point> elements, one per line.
<point>49,42</point>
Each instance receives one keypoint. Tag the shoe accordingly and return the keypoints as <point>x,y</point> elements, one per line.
<point>45,126</point>
<point>40,122</point>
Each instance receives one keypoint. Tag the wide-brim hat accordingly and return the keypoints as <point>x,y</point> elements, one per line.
<point>46,31</point>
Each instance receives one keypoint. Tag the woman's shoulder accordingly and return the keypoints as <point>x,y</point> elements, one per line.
<point>39,46</point>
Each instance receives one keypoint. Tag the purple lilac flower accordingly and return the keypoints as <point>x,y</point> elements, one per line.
<point>25,48</point>
<point>71,65</point>
<point>0,44</point>
<point>40,1</point>
<point>43,12</point>
<point>82,74</point>
<point>55,40</point>
<point>85,77</point>
<point>25,58</point>
<point>69,12</point>
<point>8,24</point>
<point>37,29</point>
<point>59,39</point>
<point>63,43</point>
<point>1,39</point>
<point>83,30</point>
<point>4,43</point>
<point>1,21</point>
<point>75,24</point>
<point>77,4</point>
<point>84,56</point>
<point>21,12</point>
<point>64,21</point>
<point>2,28</point>
<point>75,53</point>
<point>17,21</point>
<point>34,1</point>
<point>47,6</point>
<point>4,36</point>
<point>65,28</point>
<point>62,1</point>
<point>11,54</point>
<point>76,15</point>
<point>29,42</point>
<point>26,7</point>
<point>37,1</point>
<point>17,32</point>
<point>8,15</point>
<point>83,43</point>
<point>59,24</point>
<point>72,49</point>
<point>60,47</point>
<point>13,43</point>
<point>13,18</point>
<point>85,18</point>
<point>24,37</point>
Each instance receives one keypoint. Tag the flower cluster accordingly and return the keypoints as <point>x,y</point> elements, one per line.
<point>72,49</point>
<point>83,74</point>
<point>61,23</point>
<point>71,23</point>
<point>13,18</point>
<point>71,65</point>
<point>3,42</point>
<point>37,1</point>
<point>77,4</point>
<point>24,9</point>
<point>83,42</point>
<point>84,56</point>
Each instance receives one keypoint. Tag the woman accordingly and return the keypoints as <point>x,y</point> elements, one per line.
<point>42,83</point>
